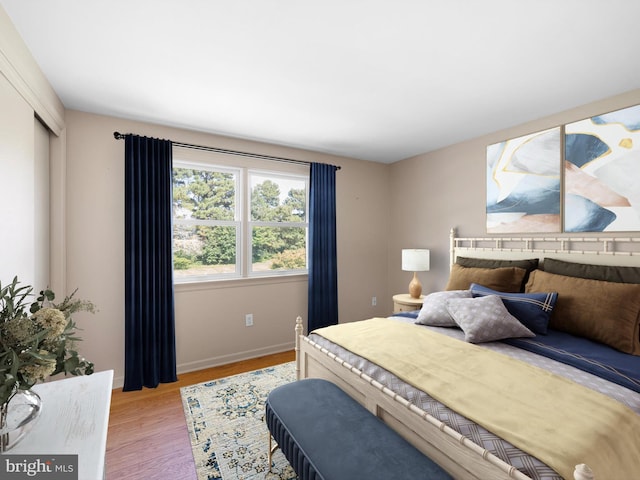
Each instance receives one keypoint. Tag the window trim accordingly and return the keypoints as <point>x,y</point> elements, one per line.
<point>244,224</point>
<point>250,224</point>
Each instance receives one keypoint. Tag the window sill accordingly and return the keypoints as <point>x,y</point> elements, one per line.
<point>208,284</point>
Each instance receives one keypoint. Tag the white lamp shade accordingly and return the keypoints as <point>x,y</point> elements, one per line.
<point>415,260</point>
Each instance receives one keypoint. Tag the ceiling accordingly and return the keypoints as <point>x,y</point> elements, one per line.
<point>368,79</point>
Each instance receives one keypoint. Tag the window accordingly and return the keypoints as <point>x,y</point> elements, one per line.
<point>234,222</point>
<point>206,221</point>
<point>278,222</point>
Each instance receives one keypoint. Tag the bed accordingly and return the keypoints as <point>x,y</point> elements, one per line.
<point>577,353</point>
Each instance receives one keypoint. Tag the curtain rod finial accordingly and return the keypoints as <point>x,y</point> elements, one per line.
<point>118,135</point>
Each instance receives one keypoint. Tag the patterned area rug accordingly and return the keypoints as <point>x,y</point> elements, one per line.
<point>225,418</point>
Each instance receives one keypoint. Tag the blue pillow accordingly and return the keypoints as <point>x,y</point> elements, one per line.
<point>532,309</point>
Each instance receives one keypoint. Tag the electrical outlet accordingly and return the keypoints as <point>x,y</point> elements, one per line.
<point>248,320</point>
<point>374,301</point>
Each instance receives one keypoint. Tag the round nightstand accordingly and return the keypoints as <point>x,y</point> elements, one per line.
<point>403,302</point>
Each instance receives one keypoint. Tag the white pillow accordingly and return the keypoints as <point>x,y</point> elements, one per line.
<point>485,319</point>
<point>434,308</point>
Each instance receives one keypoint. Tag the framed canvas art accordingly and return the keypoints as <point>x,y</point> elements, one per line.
<point>523,183</point>
<point>602,173</point>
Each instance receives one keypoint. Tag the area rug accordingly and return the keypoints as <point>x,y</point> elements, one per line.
<point>225,418</point>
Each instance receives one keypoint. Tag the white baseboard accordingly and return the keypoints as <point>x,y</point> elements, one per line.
<point>236,357</point>
<point>118,382</point>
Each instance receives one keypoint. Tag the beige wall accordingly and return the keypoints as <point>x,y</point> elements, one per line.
<point>363,231</point>
<point>209,317</point>
<point>433,192</point>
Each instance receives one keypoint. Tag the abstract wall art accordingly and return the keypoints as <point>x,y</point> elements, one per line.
<point>523,183</point>
<point>602,173</point>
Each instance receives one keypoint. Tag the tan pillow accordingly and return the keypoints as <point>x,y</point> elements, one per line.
<point>507,279</point>
<point>606,312</point>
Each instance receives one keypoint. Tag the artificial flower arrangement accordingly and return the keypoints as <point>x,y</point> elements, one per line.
<point>37,339</point>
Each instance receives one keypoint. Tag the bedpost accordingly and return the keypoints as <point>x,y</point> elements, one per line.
<point>452,247</point>
<point>298,333</point>
<point>583,472</point>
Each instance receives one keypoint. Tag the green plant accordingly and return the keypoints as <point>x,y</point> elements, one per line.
<point>37,339</point>
<point>290,260</point>
<point>181,263</point>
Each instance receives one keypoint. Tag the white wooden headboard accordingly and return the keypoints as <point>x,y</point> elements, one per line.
<point>593,250</point>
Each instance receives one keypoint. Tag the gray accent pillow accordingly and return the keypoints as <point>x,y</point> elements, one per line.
<point>485,319</point>
<point>608,273</point>
<point>434,308</point>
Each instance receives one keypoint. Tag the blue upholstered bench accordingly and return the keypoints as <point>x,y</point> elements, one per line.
<point>326,435</point>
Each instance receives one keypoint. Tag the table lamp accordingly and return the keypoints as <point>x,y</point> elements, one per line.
<point>415,260</point>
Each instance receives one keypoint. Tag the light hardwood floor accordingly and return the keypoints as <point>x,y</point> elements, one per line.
<point>148,438</point>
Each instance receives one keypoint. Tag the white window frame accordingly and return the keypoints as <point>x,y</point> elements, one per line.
<point>244,167</point>
<point>254,223</point>
<point>237,222</point>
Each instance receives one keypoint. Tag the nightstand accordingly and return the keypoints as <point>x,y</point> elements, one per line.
<point>403,302</point>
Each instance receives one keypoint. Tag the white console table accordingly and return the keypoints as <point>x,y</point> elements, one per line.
<point>74,420</point>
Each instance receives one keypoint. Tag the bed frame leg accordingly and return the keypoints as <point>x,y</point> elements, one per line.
<point>299,330</point>
<point>583,472</point>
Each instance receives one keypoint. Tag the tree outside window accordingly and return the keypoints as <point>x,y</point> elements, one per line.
<point>209,225</point>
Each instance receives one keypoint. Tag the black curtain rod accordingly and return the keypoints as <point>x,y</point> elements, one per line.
<point>120,136</point>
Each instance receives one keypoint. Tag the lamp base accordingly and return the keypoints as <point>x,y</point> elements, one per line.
<point>415,287</point>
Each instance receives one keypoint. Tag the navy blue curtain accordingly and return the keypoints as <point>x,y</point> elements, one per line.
<point>323,265</point>
<point>150,351</point>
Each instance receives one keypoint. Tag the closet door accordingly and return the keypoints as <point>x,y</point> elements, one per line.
<point>17,174</point>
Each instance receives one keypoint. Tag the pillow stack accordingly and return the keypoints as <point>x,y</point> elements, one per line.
<point>598,302</point>
<point>482,319</point>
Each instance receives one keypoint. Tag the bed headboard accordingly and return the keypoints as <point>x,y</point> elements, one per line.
<point>594,250</point>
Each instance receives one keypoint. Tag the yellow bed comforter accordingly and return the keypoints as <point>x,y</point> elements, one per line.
<point>554,419</point>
